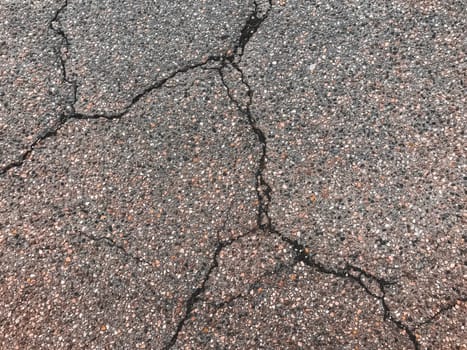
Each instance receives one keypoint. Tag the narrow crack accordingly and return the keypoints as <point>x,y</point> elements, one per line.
<point>54,25</point>
<point>111,243</point>
<point>443,309</point>
<point>196,294</point>
<point>27,153</point>
<point>263,190</point>
<point>63,50</point>
<point>251,287</point>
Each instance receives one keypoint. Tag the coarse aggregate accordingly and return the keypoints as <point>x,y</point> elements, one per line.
<point>141,42</point>
<point>120,218</point>
<point>363,105</point>
<point>32,91</point>
<point>269,174</point>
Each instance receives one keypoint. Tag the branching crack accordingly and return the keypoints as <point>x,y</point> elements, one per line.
<point>251,26</point>
<point>263,190</point>
<point>199,291</point>
<point>355,274</point>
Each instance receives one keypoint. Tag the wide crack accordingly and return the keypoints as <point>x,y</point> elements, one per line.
<point>229,60</point>
<point>264,190</point>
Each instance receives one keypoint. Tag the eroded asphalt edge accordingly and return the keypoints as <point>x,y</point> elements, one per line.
<point>229,60</point>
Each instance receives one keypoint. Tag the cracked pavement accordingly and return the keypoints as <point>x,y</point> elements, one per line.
<point>233,175</point>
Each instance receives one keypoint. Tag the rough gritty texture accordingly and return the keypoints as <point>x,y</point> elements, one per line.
<point>32,90</point>
<point>124,215</point>
<point>134,43</point>
<point>364,110</point>
<point>244,175</point>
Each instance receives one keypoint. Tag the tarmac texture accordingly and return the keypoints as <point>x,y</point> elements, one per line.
<point>233,174</point>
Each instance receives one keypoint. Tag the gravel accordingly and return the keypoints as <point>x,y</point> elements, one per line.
<point>242,175</point>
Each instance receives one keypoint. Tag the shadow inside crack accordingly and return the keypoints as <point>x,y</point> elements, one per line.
<point>142,197</point>
<point>33,93</point>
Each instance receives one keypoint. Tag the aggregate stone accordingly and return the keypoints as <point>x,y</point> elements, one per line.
<point>336,127</point>
<point>110,226</point>
<point>32,91</point>
<point>363,106</point>
<point>116,51</point>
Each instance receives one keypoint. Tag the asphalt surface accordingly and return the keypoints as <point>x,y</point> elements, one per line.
<point>233,175</point>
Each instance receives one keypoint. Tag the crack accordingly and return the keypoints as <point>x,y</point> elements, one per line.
<point>264,190</point>
<point>195,296</point>
<point>249,29</point>
<point>354,274</point>
<point>251,287</point>
<point>445,308</point>
<point>51,131</point>
<point>111,243</point>
<point>61,52</point>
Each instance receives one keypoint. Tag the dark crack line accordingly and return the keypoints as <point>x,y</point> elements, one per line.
<point>249,29</point>
<point>54,25</point>
<point>195,296</point>
<point>442,309</point>
<point>264,190</point>
<point>251,287</point>
<point>26,154</point>
<point>62,53</point>
<point>251,26</point>
<point>157,85</point>
<point>354,274</point>
<point>111,243</point>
